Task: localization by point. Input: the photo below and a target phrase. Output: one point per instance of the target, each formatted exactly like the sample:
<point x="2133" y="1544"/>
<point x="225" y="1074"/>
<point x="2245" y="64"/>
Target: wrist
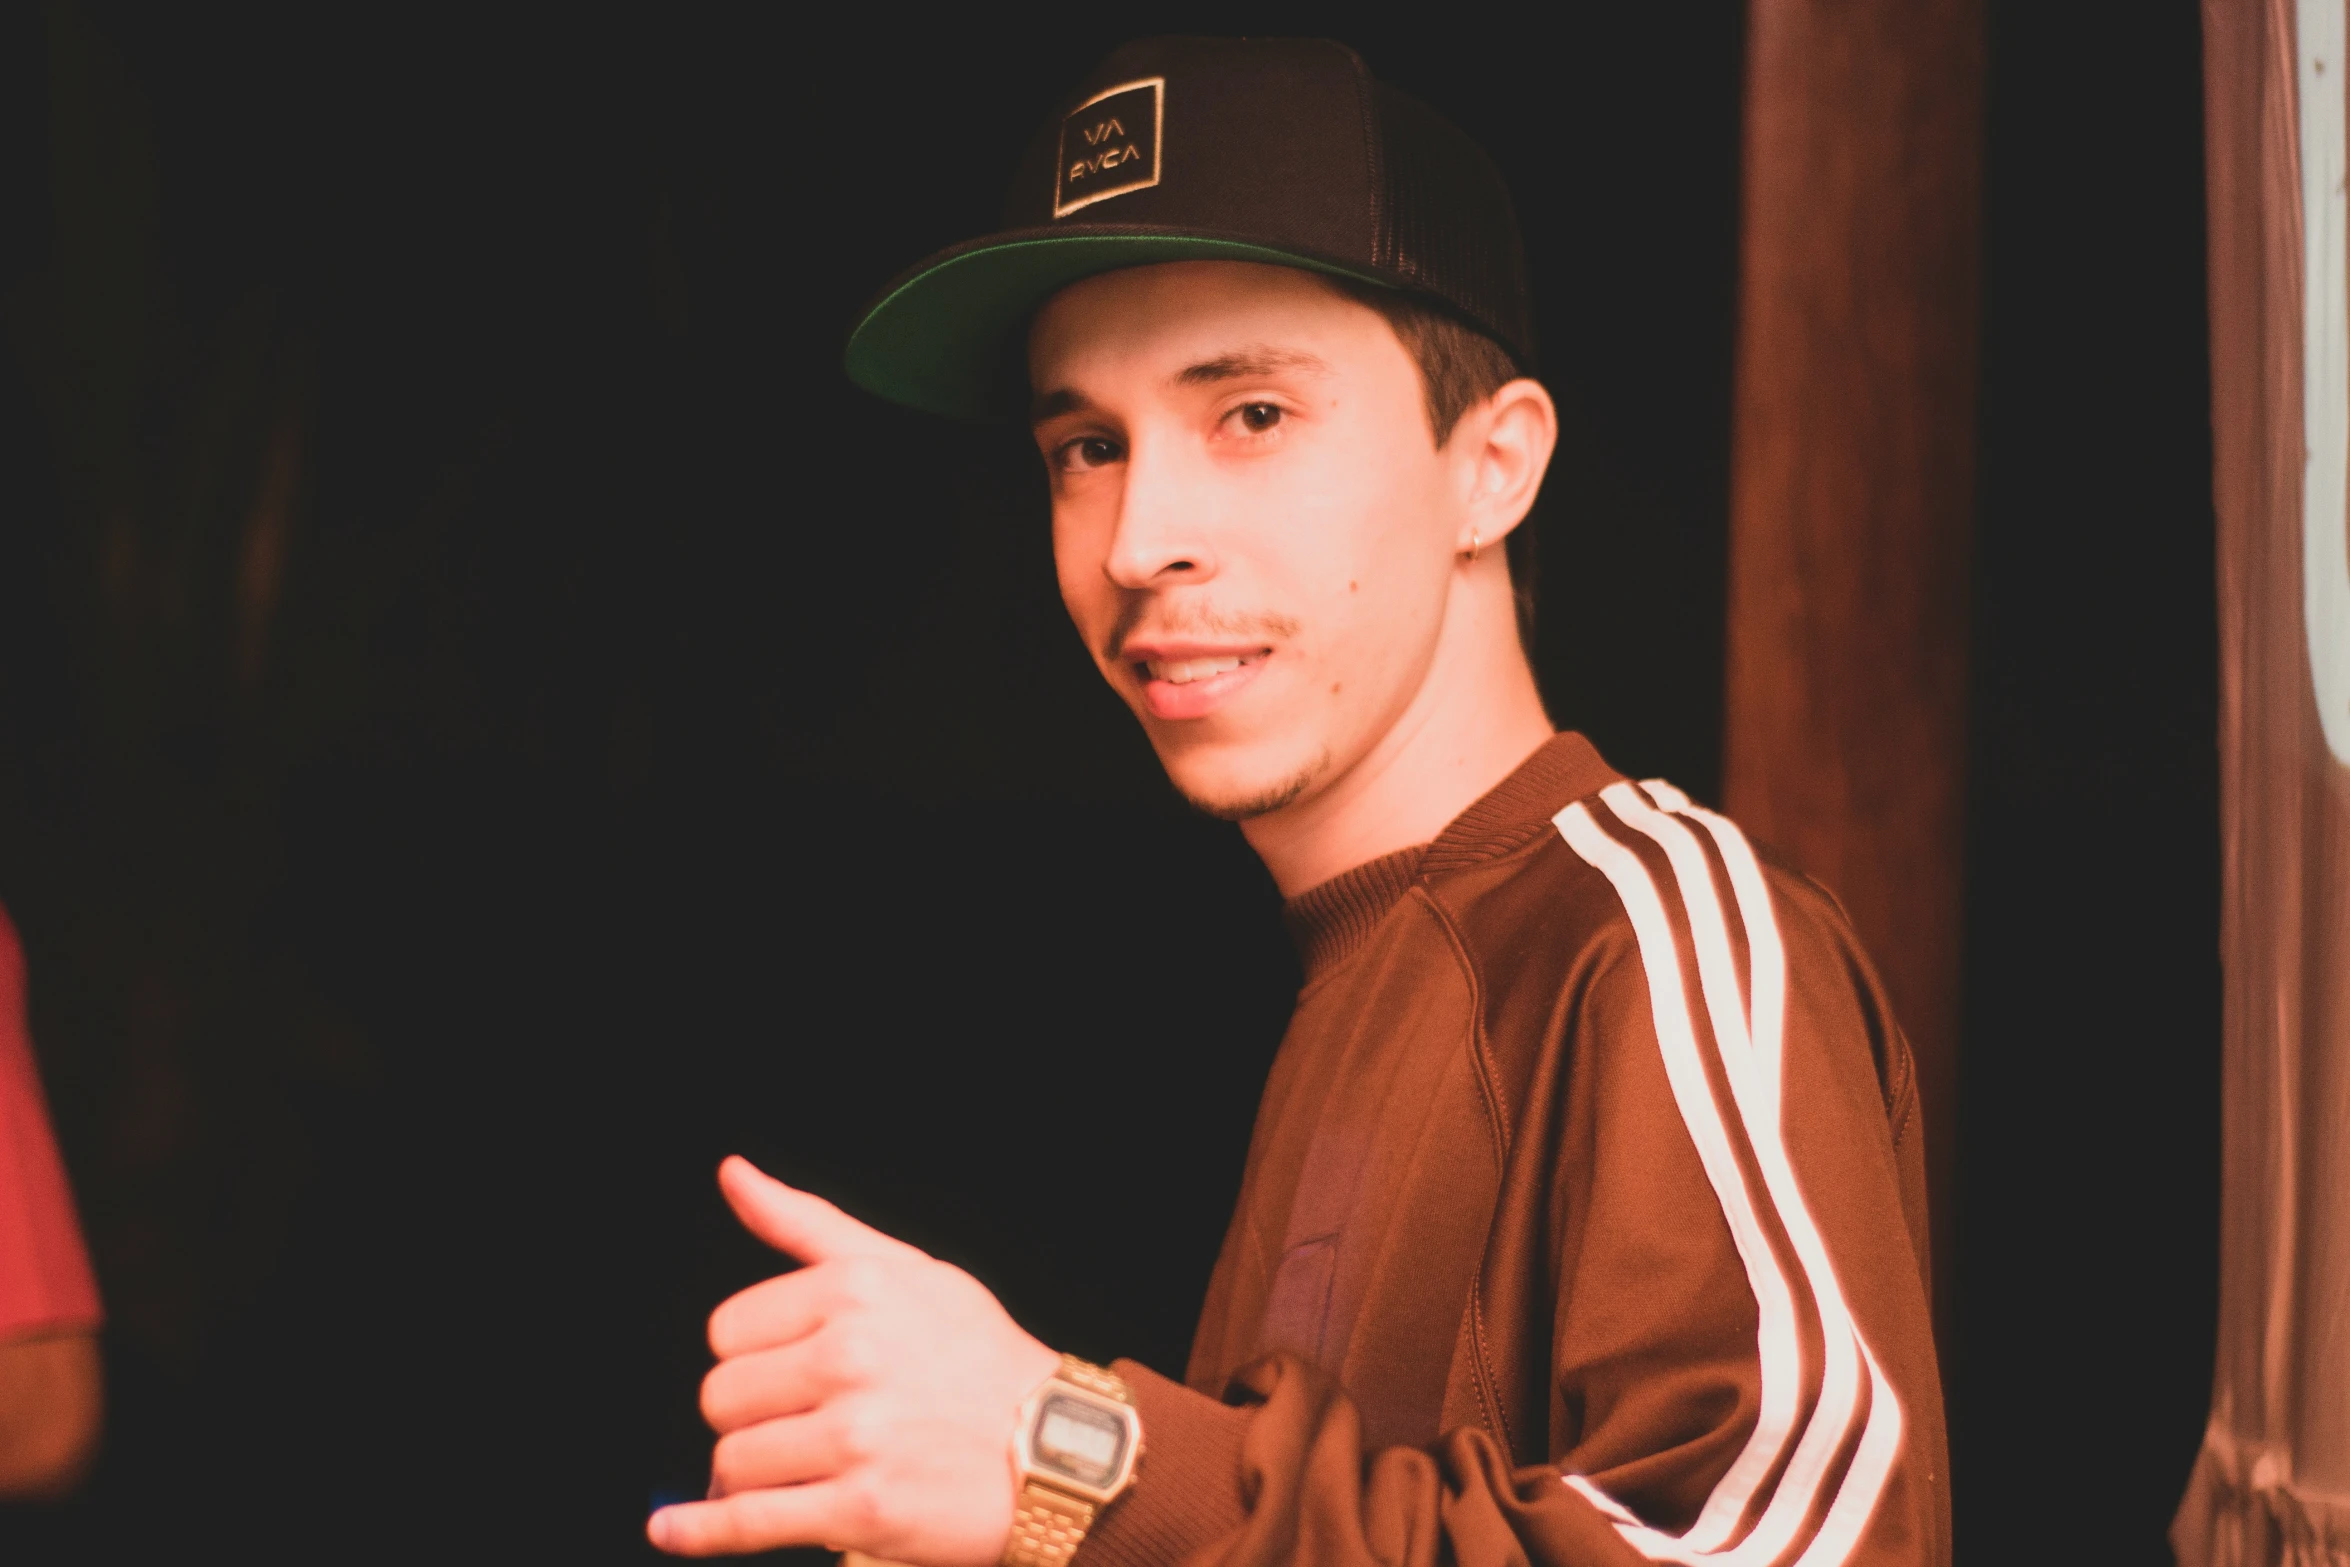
<point x="1075" y="1448"/>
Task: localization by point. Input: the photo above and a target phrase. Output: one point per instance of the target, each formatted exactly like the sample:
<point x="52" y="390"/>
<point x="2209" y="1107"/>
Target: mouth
<point x="1188" y="671"/>
<point x="1192" y="682"/>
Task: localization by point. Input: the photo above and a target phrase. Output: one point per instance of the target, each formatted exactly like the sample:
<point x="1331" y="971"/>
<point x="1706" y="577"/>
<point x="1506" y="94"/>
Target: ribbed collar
<point x="1331" y="920"/>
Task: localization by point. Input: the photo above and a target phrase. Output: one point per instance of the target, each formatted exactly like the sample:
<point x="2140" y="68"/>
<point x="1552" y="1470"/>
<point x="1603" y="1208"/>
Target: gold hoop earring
<point x="1475" y="545"/>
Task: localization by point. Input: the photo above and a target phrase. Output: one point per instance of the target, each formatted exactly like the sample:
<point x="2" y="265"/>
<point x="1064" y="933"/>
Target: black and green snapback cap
<point x="1280" y="150"/>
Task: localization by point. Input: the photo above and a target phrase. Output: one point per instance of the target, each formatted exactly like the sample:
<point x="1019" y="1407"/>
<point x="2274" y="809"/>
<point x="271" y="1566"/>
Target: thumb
<point x="790" y="1220"/>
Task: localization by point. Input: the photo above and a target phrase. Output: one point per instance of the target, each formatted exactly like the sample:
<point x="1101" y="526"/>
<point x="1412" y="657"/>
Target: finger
<point x="753" y="1521"/>
<point x="765" y="1385"/>
<point x="789" y="1451"/>
<point x="794" y="1221"/>
<point x="772" y="1312"/>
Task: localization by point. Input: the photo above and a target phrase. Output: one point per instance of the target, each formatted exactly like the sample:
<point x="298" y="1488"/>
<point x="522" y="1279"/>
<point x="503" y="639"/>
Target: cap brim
<point x="949" y="336"/>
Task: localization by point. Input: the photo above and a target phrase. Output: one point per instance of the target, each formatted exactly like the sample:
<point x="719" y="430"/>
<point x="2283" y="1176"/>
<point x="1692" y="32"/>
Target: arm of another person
<point x="51" y="1408"/>
<point x="51" y="1389"/>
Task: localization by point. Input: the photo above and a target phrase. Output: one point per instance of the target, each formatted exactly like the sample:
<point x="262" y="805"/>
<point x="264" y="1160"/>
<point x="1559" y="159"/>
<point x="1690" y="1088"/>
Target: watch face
<point x="1079" y="1441"/>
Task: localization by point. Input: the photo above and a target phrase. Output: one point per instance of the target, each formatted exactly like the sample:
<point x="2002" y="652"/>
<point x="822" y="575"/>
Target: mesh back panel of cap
<point x="1449" y="226"/>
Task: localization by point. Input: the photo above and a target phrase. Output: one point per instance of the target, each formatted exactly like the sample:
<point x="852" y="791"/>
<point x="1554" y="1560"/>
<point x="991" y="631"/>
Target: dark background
<point x="490" y="722"/>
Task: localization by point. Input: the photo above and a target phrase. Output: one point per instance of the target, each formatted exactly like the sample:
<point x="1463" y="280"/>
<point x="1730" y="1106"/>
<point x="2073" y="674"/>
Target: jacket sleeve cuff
<point x="1187" y="1491"/>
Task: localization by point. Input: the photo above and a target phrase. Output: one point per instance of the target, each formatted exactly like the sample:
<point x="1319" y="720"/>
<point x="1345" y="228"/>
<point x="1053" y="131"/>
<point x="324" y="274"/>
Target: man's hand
<point x="863" y="1402"/>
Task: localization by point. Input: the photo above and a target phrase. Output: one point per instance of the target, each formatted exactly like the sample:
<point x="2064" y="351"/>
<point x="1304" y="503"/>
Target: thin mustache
<point x="1190" y="622"/>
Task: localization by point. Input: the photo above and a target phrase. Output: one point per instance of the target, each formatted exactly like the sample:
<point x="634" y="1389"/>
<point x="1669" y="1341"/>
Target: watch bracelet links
<point x="1094" y="1379"/>
<point x="1046" y="1528"/>
<point x="1049" y="1525"/>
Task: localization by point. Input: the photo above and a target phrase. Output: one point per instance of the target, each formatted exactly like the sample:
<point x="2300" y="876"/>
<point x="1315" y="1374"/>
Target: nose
<point x="1160" y="539"/>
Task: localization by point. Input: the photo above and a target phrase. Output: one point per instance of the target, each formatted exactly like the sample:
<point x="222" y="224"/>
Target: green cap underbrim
<point x="950" y="337"/>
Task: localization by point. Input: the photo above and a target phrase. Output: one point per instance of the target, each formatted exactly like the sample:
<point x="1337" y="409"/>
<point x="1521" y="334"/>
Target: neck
<point x="1474" y="718"/>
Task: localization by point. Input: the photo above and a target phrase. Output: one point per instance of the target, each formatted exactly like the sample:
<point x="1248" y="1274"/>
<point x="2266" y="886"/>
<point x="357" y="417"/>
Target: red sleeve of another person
<point x="45" y="1280"/>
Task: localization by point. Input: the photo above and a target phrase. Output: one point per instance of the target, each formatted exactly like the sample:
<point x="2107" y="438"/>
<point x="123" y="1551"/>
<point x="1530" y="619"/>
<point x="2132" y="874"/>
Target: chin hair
<point x="1264" y="802"/>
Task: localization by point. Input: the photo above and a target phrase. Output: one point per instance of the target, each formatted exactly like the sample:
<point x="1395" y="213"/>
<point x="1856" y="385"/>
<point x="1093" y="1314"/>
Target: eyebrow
<point x="1244" y="362"/>
<point x="1051" y="405"/>
<point x="1239" y="364"/>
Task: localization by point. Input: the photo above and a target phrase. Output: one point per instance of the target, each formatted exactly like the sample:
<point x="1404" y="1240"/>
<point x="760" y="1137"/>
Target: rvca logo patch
<point x="1110" y="145"/>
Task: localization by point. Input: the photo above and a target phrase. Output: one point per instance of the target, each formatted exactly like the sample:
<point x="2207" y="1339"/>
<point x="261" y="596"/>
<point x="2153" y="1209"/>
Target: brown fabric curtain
<point x="2272" y="1483"/>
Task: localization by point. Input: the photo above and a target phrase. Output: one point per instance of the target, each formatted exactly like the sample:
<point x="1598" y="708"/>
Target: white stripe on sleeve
<point x="1749" y="1039"/>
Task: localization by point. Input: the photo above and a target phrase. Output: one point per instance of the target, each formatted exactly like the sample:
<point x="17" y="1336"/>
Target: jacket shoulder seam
<point x="1497" y="1110"/>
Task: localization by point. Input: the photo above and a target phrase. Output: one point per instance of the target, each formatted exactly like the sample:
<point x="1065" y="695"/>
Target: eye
<point x="1088" y="451"/>
<point x="1257" y="418"/>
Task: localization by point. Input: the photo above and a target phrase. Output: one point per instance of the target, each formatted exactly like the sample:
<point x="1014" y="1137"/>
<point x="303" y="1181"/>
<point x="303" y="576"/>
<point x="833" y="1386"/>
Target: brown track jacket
<point x="1584" y="1222"/>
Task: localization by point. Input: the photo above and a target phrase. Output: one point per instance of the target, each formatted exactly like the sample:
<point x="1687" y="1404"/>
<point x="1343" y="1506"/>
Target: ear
<point x="1503" y="446"/>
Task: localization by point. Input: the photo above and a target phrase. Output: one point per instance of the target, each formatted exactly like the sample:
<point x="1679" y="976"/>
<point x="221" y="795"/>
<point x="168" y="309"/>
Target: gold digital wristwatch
<point x="1074" y="1451"/>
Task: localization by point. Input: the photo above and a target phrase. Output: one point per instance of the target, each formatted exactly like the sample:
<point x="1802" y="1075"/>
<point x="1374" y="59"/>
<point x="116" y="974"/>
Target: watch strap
<point x="1047" y="1527"/>
<point x="1094" y="1379"/>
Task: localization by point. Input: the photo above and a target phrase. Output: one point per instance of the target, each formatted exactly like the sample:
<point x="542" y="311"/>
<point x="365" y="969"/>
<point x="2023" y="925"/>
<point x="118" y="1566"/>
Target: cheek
<point x="1369" y="546"/>
<point x="1086" y="592"/>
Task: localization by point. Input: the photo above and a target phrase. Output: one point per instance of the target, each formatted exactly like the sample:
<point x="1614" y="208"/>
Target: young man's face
<point x="1254" y="530"/>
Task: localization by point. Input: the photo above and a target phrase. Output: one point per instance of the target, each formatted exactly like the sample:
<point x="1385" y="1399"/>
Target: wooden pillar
<point x="1852" y="481"/>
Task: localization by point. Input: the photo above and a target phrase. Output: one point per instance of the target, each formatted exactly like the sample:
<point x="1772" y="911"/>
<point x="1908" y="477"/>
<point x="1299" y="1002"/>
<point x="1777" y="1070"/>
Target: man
<point x="1583" y="1221"/>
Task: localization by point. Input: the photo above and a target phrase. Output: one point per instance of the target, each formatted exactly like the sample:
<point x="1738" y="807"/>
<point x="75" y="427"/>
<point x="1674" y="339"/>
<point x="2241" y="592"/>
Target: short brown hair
<point x="1459" y="368"/>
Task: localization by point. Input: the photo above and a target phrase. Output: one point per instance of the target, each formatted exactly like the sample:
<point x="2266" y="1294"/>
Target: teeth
<point x="1183" y="671"/>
